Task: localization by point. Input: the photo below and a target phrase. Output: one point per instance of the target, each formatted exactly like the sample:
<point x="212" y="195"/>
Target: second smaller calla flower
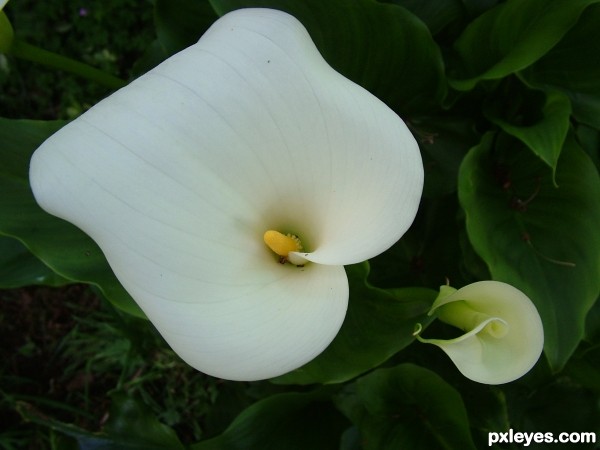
<point x="503" y="338"/>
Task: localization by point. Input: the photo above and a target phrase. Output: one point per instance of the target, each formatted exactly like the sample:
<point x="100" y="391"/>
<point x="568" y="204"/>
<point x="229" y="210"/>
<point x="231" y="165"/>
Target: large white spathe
<point x="504" y="335"/>
<point x="178" y="176"/>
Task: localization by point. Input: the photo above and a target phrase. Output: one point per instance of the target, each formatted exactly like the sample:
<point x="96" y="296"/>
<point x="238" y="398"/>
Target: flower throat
<point x="284" y="245"/>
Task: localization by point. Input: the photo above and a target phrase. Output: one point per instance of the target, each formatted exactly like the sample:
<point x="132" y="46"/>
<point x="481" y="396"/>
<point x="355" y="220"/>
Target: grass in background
<point x="110" y="35"/>
<point x="65" y="350"/>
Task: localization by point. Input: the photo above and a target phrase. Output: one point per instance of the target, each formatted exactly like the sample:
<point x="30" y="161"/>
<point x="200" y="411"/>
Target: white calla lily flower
<point x="227" y="188"/>
<point x="504" y="334"/>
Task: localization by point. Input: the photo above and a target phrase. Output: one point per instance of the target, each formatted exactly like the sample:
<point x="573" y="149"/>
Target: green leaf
<point x="444" y="141"/>
<point x="407" y="406"/>
<point x="131" y="426"/>
<point x="486" y="406"/>
<point x="290" y="421"/>
<point x="512" y="36"/>
<point x="180" y="23"/>
<point x="540" y="238"/>
<point x="18" y="267"/>
<point x="573" y="66"/>
<point x="436" y="15"/>
<point x="559" y="406"/>
<point x="429" y="253"/>
<point x="59" y="245"/>
<point x="584" y="367"/>
<point x="477" y="7"/>
<point x="592" y="324"/>
<point x="589" y="139"/>
<point x="378" y="324"/>
<point x="6" y="33"/>
<point x="384" y="48"/>
<point x="546" y="134"/>
<point x="154" y="54"/>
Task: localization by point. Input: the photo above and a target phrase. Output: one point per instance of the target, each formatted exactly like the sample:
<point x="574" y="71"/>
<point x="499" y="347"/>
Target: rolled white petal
<point x="479" y="355"/>
<point x="178" y="175"/>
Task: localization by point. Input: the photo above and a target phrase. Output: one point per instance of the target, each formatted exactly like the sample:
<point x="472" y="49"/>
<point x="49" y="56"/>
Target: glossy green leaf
<point x="180" y="23"/>
<point x="61" y="246"/>
<point x="378" y="324"/>
<point x="407" y="406"/>
<point x="384" y="48"/>
<point x="290" y="421"/>
<point x="546" y="135"/>
<point x="573" y="66"/>
<point x="540" y="238"/>
<point x="18" y="267"/>
<point x="511" y="37"/>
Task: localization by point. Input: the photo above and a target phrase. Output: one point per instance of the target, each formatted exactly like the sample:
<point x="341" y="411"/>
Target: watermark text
<point x="517" y="437"/>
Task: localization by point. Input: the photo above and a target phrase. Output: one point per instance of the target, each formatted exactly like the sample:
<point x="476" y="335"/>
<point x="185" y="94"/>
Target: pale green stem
<point x="32" y="53"/>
